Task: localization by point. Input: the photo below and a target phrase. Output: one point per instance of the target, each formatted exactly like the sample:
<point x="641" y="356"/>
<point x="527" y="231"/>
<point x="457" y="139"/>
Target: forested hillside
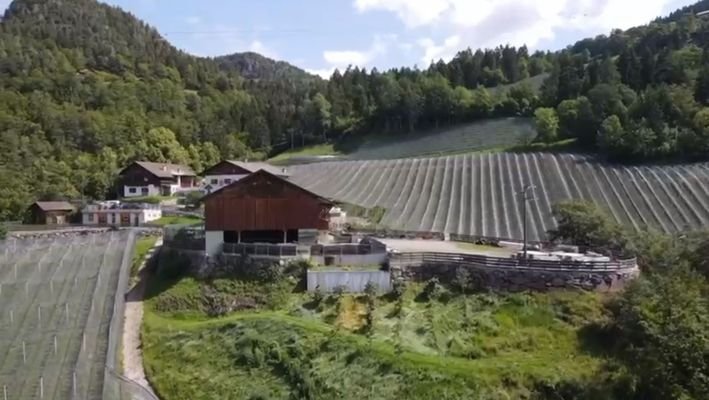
<point x="86" y="88"/>
<point x="252" y="65"/>
<point x="638" y="95"/>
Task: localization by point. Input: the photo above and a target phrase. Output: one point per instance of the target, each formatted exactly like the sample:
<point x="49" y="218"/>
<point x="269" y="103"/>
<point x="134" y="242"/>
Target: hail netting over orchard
<point x="479" y="194"/>
<point x="58" y="297"/>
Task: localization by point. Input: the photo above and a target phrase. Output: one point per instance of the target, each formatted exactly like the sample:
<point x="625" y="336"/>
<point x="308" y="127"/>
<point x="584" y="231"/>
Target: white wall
<point x="213" y="242"/>
<point x="152" y="191"/>
<point x="220" y="181"/>
<point x="353" y="281"/>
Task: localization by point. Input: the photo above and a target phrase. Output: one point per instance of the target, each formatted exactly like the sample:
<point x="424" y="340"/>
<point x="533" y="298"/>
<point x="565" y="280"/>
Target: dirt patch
<point x="351" y="314"/>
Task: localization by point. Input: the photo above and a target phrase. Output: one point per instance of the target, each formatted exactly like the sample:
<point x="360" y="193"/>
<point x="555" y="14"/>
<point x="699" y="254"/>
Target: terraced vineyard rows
<point x="57" y="299"/>
<point x="479" y="194"/>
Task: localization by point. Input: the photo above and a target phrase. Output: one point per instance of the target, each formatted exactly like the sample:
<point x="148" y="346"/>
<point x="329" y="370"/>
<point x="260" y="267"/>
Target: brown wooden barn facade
<point x="50" y="213"/>
<point x="263" y="208"/>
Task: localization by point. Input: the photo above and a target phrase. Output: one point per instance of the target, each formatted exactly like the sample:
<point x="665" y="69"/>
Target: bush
<point x="462" y="279"/>
<point x="398" y="288"/>
<point x="433" y="289"/>
<point x="370" y="290"/>
<point x="3" y="232"/>
<point x="317" y="295"/>
<point x="339" y="290"/>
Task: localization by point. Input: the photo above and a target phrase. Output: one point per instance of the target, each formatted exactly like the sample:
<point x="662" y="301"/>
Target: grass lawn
<point x="315" y="150"/>
<point x="278" y="342"/>
<point x="147" y="199"/>
<point x="177" y="220"/>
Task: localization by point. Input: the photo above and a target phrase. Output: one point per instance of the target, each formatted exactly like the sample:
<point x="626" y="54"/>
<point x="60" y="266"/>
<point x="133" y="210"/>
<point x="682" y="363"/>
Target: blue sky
<point x="320" y="35"/>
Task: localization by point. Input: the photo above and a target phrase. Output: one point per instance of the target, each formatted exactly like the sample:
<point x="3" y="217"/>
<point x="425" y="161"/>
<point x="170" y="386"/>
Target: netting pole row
<point x="41" y="387"/>
<point x="24" y="353"/>
<point x="4" y="392"/>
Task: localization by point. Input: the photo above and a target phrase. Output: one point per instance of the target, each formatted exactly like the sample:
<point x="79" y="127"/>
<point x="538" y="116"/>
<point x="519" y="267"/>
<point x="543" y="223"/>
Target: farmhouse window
<point x="215" y="181"/>
<point x="131" y="190"/>
<point x="227" y="181"/>
<point x="144" y="190"/>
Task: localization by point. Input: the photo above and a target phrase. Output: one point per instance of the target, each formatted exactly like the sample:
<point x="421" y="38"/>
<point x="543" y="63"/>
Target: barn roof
<point x="166" y="170"/>
<point x="54" y="206"/>
<point x="262" y="172"/>
<point x="251" y="167"/>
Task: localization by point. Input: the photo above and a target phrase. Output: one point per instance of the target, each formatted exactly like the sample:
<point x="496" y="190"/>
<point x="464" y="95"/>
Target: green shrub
<point x="434" y="290"/>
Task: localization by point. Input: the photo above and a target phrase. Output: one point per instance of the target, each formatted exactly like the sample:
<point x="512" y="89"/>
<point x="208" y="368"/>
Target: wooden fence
<point x="472" y="260"/>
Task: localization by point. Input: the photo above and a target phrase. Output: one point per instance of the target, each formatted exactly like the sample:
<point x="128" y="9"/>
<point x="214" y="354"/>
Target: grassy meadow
<point x="245" y="339"/>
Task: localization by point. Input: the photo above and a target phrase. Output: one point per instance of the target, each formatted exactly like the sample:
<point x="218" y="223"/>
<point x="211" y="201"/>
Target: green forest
<point x="86" y="88"/>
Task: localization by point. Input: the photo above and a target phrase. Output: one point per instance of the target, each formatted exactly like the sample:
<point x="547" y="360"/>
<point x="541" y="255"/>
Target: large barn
<point x="263" y="208"/>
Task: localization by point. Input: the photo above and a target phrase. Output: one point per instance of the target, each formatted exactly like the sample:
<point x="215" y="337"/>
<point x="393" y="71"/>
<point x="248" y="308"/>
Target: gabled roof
<point x="54" y="206"/>
<point x="251" y="167"/>
<point x="166" y="170"/>
<point x="246" y="180"/>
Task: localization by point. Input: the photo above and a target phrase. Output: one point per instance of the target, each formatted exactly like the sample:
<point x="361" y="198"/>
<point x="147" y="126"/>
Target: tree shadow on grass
<point x="597" y="339"/>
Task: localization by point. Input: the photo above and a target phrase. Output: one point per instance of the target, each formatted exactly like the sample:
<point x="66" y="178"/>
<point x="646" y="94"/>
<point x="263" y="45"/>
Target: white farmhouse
<point x="227" y="172"/>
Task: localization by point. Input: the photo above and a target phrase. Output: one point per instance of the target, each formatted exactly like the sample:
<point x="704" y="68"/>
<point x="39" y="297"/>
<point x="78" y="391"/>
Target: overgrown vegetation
<point x="438" y="339"/>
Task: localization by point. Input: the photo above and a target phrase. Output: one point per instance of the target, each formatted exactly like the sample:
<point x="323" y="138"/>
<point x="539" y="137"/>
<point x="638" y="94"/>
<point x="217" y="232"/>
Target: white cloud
<point x="434" y="52"/>
<point x="361" y="58"/>
<point x="345" y="57"/>
<point x="324" y="73"/>
<point x="193" y="20"/>
<point x="258" y="47"/>
<point x="488" y="23"/>
<point x="413" y="12"/>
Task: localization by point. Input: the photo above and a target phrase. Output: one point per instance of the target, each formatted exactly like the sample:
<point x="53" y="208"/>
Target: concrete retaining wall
<point x="353" y="281"/>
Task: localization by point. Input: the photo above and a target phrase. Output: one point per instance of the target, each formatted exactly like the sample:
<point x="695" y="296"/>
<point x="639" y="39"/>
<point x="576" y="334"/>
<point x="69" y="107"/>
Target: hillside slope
<point x="475" y="136"/>
<point x="478" y="194"/>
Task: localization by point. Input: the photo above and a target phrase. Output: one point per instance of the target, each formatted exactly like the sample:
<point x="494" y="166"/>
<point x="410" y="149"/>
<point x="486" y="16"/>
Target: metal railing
<point x="473" y="260"/>
<point x="347" y="249"/>
<point x="261" y="249"/>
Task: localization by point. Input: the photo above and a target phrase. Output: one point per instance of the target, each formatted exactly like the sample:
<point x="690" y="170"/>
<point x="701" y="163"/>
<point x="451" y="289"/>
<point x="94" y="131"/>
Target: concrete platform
<point x="439" y="246"/>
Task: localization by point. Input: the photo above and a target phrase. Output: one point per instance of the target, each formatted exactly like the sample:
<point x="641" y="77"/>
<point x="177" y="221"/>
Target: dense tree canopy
<point x="83" y="83"/>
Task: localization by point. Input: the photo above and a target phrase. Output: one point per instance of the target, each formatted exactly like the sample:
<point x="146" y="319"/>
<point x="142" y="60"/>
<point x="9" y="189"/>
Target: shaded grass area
<point x="282" y="343"/>
<point x="142" y="246"/>
<point x="325" y="149"/>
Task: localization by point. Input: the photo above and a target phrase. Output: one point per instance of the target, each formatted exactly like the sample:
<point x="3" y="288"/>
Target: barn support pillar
<point x="238" y="237"/>
<point x="285" y="236"/>
<point x="213" y="242"/>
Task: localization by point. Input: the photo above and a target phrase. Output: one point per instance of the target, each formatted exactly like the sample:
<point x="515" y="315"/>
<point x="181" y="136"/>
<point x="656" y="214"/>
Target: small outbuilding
<point x="50" y="213"/>
<point x="227" y="172"/>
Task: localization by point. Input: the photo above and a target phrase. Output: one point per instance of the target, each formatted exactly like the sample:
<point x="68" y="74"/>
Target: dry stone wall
<point x="515" y="280"/>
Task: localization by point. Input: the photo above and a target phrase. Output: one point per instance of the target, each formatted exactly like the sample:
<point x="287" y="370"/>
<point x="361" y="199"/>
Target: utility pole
<point x="525" y="199"/>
